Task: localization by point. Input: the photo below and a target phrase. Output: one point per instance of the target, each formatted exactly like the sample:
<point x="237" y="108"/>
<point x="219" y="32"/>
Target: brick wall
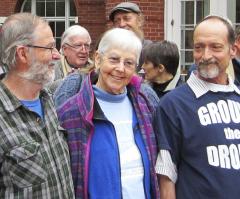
<point x="93" y="14"/>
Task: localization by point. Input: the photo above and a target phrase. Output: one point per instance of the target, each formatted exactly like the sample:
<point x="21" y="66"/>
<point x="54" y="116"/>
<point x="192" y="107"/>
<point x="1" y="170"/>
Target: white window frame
<point x="67" y="18"/>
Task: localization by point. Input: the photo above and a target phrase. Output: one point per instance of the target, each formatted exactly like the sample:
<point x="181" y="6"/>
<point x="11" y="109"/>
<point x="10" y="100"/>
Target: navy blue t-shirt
<point x="203" y="137"/>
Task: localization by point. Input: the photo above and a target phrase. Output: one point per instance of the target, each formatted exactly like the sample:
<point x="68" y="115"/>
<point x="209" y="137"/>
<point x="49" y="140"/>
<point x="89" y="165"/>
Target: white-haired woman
<point x="111" y="141"/>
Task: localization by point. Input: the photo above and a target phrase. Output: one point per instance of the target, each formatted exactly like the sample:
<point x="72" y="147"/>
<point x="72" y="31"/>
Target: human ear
<point x="161" y="68"/>
<point x="21" y="54"/>
<point x="233" y="51"/>
<point x="97" y="59"/>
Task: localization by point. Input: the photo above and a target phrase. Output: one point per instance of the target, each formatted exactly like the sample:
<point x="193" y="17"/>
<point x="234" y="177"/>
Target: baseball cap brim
<point x="125" y="7"/>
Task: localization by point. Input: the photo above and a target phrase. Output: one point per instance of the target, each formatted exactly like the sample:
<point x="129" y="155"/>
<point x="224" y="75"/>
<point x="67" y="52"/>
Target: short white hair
<point x="75" y="30"/>
<point x="120" y="38"/>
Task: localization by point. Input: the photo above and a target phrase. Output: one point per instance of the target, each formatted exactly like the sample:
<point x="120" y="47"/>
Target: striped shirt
<point x="34" y="157"/>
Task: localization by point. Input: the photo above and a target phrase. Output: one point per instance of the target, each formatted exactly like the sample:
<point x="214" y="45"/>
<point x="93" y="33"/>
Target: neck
<point x="163" y="78"/>
<point x="23" y="89"/>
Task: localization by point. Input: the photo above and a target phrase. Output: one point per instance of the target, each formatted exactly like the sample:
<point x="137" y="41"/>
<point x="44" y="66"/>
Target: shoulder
<point x="146" y="42"/>
<point x="69" y="87"/>
<point x="150" y="94"/>
<point x="181" y="94"/>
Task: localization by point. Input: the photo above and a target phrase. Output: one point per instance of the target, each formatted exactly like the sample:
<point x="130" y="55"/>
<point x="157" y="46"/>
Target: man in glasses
<point x="75" y="47"/>
<point x="34" y="158"/>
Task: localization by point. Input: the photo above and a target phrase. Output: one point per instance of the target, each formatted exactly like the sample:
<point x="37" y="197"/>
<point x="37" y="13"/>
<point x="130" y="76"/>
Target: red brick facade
<point x="93" y="14"/>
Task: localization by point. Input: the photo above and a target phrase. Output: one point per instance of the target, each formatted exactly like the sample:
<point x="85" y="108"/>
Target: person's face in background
<point x="76" y="50"/>
<point x="151" y="73"/>
<point x="116" y="68"/>
<point x="130" y="21"/>
<point x="212" y="51"/>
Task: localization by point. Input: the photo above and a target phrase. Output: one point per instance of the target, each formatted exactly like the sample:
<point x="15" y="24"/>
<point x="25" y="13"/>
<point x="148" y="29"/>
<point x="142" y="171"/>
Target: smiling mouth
<point x="117" y="78"/>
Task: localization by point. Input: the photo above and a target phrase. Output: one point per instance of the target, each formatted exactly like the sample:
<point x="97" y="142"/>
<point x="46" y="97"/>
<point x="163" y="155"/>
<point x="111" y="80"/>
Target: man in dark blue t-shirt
<point x="198" y="123"/>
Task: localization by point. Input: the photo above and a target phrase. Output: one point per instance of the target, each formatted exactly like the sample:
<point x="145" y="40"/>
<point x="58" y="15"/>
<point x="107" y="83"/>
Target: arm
<point x="167" y="188"/>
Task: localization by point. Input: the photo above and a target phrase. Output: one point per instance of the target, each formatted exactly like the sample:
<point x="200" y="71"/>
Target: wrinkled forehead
<point x="211" y="29"/>
<point x="122" y="52"/>
<point x="84" y="38"/>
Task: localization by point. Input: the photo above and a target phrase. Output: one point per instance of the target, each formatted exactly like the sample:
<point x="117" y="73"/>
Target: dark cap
<point x="124" y="6"/>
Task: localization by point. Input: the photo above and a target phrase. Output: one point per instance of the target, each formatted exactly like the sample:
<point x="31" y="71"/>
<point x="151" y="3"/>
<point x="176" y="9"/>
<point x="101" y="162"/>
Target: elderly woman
<point x="111" y="141"/>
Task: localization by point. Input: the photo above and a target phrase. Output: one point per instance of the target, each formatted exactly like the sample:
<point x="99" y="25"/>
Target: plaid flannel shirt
<point x="34" y="157"/>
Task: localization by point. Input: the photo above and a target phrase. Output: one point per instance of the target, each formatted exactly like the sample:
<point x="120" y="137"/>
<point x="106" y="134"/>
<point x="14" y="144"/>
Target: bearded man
<point x="34" y="157"/>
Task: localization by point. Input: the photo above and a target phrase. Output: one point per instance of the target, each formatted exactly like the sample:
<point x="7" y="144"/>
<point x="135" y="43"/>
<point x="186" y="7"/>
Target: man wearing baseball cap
<point x="128" y="15"/>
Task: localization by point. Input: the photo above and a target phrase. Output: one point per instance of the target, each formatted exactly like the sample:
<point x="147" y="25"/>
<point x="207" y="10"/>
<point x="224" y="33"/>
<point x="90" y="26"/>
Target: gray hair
<point x="18" y="29"/>
<point x="120" y="38"/>
<point x="75" y="30"/>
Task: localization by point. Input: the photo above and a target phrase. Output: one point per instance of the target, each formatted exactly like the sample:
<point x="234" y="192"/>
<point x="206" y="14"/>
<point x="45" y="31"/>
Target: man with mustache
<point x="34" y="157"/>
<point x="128" y="15"/>
<point x="198" y="123"/>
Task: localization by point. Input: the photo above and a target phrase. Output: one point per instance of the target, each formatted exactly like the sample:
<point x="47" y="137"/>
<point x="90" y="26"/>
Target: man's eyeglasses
<point x="42" y="47"/>
<point x="79" y="46"/>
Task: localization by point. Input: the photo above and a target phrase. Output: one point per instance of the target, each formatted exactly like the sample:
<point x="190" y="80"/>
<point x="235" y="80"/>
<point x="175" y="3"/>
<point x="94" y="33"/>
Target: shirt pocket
<point x="25" y="165"/>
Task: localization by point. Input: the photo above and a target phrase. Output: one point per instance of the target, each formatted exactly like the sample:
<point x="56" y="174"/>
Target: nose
<point x="121" y="66"/>
<point x="122" y="23"/>
<point x="84" y="49"/>
<point x="207" y="54"/>
<point x="55" y="54"/>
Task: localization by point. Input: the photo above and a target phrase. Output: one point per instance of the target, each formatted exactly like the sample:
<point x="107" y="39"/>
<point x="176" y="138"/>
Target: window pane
<point x="52" y="25"/>
<point x="189" y="39"/>
<point x="186" y="57"/>
<point x="60" y="9"/>
<point x="72" y="8"/>
<point x="50" y="9"/>
<point x="40" y="8"/>
<point x="60" y="27"/>
<point x="187" y="12"/>
<point x="200" y="11"/>
<point x="189" y="56"/>
<point x="72" y="23"/>
<point x="58" y="42"/>
<point x="27" y="6"/>
<point x="237" y="11"/>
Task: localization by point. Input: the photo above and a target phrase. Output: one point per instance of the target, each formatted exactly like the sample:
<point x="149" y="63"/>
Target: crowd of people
<point x="75" y="126"/>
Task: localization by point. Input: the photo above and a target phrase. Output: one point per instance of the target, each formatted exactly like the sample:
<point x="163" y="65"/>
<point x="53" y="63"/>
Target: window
<point x="233" y="11"/>
<point x="60" y="13"/>
<point x="192" y="11"/>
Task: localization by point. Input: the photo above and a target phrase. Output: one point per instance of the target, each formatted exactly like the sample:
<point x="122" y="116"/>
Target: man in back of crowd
<point x="128" y="15"/>
<point x="34" y="157"/>
<point x="75" y="47"/>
